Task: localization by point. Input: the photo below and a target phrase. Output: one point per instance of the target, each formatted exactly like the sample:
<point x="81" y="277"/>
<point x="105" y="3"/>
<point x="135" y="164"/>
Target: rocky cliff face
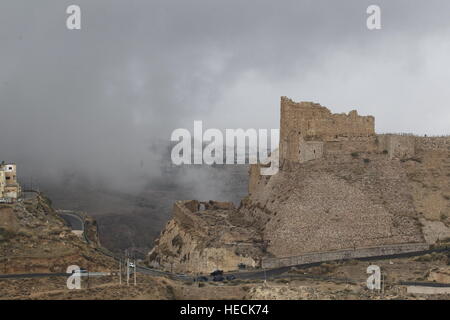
<point x="199" y="241"/>
<point x="332" y="204"/>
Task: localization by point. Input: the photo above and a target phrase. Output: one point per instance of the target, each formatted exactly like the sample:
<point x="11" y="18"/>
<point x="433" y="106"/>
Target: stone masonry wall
<point x="344" y="255"/>
<point x="312" y="122"/>
<point x="406" y="146"/>
<point x="397" y="146"/>
<point x="433" y="143"/>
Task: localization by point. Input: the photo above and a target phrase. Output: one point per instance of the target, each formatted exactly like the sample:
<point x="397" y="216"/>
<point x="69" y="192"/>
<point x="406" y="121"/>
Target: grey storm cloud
<point x="95" y="100"/>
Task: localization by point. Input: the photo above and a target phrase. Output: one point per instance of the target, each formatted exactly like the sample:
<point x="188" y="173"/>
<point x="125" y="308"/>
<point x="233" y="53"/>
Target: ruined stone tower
<point x="307" y="130"/>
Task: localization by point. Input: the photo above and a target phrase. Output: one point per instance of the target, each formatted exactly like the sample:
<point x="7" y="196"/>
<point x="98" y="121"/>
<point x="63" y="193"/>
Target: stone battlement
<point x="305" y="126"/>
<point x="309" y="131"/>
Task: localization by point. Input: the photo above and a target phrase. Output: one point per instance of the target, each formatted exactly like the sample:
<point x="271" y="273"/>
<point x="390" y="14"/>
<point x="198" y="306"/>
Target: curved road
<point x="73" y="221"/>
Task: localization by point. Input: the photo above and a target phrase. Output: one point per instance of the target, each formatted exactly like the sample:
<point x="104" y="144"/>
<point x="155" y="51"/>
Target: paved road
<point x="72" y="220"/>
<point x="277" y="272"/>
<point x="31" y="275"/>
<point x="55" y="274"/>
<point x="257" y="274"/>
<point x="182" y="277"/>
<point x="159" y="273"/>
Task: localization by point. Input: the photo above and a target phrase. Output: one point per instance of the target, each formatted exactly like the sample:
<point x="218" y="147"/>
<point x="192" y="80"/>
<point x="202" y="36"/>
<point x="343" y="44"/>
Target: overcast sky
<point x="94" y="100"/>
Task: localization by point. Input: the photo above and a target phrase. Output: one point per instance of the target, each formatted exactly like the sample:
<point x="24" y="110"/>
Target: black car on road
<point x="218" y="278"/>
<point x="217" y="273"/>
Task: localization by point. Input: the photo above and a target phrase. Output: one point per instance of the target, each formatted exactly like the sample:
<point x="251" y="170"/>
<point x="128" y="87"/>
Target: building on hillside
<point x="2" y="183"/>
<point x="10" y="189"/>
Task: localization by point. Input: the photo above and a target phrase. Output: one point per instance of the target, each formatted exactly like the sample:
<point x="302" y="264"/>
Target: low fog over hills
<point x="133" y="218"/>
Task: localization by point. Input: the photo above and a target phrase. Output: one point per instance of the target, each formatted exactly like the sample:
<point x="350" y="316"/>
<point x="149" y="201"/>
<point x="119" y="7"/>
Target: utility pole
<point x="88" y="276"/>
<point x="135" y="272"/>
<point x="120" y="271"/>
<point x="128" y="271"/>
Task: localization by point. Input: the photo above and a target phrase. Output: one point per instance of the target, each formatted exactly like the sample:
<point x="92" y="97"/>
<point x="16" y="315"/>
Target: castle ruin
<point x="341" y="191"/>
<point x="309" y="131"/>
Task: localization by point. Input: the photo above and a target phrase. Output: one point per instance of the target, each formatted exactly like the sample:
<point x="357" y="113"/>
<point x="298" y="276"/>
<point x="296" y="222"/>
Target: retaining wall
<point x="347" y="254"/>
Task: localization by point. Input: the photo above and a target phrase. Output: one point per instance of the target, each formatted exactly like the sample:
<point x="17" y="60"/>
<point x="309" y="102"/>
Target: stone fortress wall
<point x="309" y="131"/>
<point x="340" y="255"/>
<point x="433" y="143"/>
<point x="405" y="146"/>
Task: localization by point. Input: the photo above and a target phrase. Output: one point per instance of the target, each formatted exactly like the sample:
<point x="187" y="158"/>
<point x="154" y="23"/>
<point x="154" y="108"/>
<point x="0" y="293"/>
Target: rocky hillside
<point x="34" y="239"/>
<point x="205" y="236"/>
<point x="330" y="204"/>
<point x="342" y="200"/>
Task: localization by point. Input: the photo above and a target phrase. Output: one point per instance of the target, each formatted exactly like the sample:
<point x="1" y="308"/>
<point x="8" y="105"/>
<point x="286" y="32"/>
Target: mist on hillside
<point x="87" y="115"/>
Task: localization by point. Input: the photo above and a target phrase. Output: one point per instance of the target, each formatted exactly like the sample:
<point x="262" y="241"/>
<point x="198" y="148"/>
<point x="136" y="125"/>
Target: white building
<point x="9" y="187"/>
